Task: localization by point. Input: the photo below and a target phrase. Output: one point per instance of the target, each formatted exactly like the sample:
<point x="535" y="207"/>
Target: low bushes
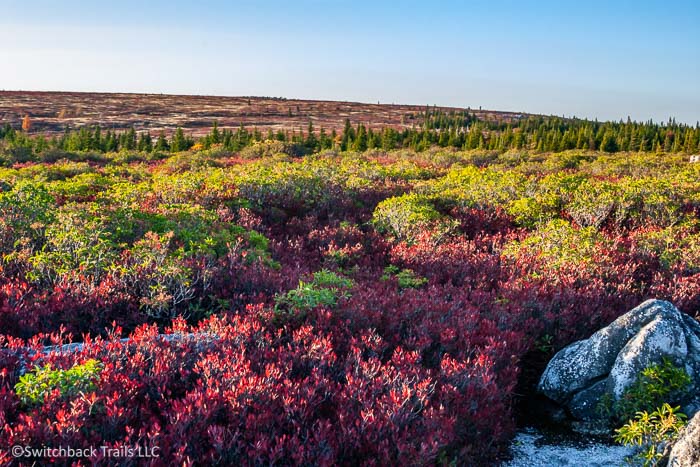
<point x="406" y="216"/>
<point x="367" y="308"/>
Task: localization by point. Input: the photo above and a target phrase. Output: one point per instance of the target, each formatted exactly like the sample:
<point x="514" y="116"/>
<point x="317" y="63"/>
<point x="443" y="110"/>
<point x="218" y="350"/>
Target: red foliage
<point x="388" y="377"/>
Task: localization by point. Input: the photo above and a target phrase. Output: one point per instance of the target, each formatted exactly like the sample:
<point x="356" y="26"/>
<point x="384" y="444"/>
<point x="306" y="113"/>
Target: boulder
<point x="686" y="450"/>
<point x="607" y="363"/>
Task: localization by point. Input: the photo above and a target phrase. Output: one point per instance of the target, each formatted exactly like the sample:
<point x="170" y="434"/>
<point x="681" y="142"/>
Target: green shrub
<point x="62" y="170"/>
<point x="559" y="244"/>
<point x="480" y="188"/>
<point x="328" y="279"/>
<point x="404" y="216"/>
<point x="325" y="289"/>
<point x="650" y="200"/>
<point x="533" y="210"/>
<point x="260" y="149"/>
<point x="545" y="199"/>
<point x="186" y="162"/>
<point x="79" y="187"/>
<point x="652" y="432"/>
<point x="406" y="278"/>
<point x="293" y="188"/>
<point x="658" y="384"/>
<point x="566" y="160"/>
<point x="25" y="212"/>
<point x="155" y="272"/>
<point x="675" y="245"/>
<point x="33" y="386"/>
<point x="593" y="203"/>
<point x="77" y="241"/>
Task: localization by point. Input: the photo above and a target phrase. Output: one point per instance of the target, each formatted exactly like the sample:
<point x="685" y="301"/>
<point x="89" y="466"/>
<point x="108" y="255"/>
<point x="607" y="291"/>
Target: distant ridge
<point x="52" y="111"/>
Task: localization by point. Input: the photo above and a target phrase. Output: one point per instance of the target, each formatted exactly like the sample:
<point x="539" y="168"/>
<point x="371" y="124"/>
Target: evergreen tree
<point x="162" y="144"/>
<point x="145" y="143"/>
<point x="324" y="140"/>
<point x="178" y="142"/>
<point x="311" y="142"/>
<point x="360" y="143"/>
<point x="348" y="136"/>
<point x="127" y="140"/>
<point x="608" y="144"/>
<point x="668" y="141"/>
<point x="215" y="136"/>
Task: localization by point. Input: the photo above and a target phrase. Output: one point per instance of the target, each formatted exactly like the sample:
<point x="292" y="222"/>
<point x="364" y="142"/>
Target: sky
<point x="595" y="59"/>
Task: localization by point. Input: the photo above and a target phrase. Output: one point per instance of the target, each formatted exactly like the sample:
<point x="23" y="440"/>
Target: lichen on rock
<point x="603" y="366"/>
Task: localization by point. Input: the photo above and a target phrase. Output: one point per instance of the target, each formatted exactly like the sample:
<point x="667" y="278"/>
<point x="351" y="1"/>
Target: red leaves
<point x="388" y="376"/>
<point x="259" y="396"/>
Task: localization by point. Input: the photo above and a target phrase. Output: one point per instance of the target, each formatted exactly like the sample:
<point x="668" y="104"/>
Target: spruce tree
<point x="311" y="142"/>
<point x="215" y="136"/>
<point x="162" y="144"/>
<point x="609" y="144"/>
<point x="360" y="143"/>
<point x="178" y="142"/>
<point x="145" y="143"/>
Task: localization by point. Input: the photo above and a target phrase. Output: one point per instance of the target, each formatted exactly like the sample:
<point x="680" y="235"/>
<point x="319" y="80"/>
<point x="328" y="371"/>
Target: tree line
<point x="454" y="129"/>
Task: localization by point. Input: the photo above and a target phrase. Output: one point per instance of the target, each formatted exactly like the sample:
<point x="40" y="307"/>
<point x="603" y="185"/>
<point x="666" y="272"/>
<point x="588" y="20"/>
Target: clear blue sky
<point x="596" y="59"/>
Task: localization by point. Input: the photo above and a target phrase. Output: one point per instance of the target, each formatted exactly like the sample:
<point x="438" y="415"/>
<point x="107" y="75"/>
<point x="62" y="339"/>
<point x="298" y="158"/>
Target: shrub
<point x="25" y="212"/>
<point x="658" y="384"/>
<point x="592" y="204"/>
<point x="558" y="244"/>
<point x="158" y="275"/>
<point x="651" y="201"/>
<point x="33" y="386"/>
<point x="325" y="289"/>
<point x="481" y="188"/>
<point x="405" y="216"/>
<point x="280" y="187"/>
<point x="260" y="149"/>
<point x="652" y="432"/>
<point x="406" y="278"/>
<point x="675" y="246"/>
<point x="78" y="242"/>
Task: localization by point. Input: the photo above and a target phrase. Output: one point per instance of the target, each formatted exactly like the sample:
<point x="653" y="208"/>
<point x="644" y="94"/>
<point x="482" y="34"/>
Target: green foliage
<point x="77" y="241"/>
<point x="325" y="289"/>
<point x="481" y="188"/>
<point x="545" y="199"/>
<point x="658" y="384"/>
<point x="652" y="432"/>
<point x="558" y="244"/>
<point x="328" y="279"/>
<point x="179" y="141"/>
<point x="592" y="203"/>
<point x="283" y="185"/>
<point x="25" y="212"/>
<point x="260" y="149"/>
<point x="157" y="273"/>
<point x="674" y="246"/>
<point x="406" y="278"/>
<point x="79" y="187"/>
<point x="404" y="216"/>
<point x="33" y="387"/>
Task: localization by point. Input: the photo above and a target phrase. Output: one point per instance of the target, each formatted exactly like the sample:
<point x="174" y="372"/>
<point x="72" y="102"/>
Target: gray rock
<point x="663" y="337"/>
<point x="686" y="450"/>
<point x="692" y="407"/>
<point x="610" y="360"/>
<point x="584" y="404"/>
